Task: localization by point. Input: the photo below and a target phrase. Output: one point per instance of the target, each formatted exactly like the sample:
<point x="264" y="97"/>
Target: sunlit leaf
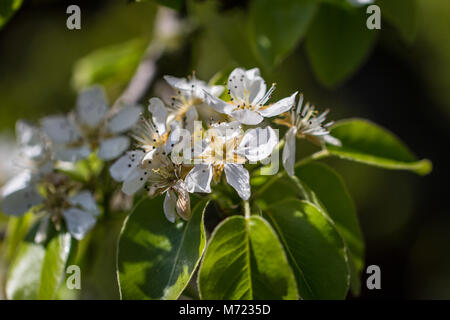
<point x="16" y="232"/>
<point x="315" y="249"/>
<point x="53" y="267"/>
<point x="366" y="142"/>
<point x="7" y="10"/>
<point x="113" y="64"/>
<point x="38" y="268"/>
<point x="245" y="260"/>
<point x="157" y="258"/>
<point x="333" y="196"/>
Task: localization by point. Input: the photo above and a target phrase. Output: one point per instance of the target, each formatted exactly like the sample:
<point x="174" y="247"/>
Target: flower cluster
<point x="204" y="135"/>
<point x="92" y="126"/>
<point x="199" y="134"/>
<point x="41" y="186"/>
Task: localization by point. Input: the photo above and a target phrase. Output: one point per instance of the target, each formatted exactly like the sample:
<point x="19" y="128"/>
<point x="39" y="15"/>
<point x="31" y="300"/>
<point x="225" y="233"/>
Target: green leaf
<point x="337" y="43"/>
<point x="314" y="248"/>
<point x="7" y="10"/>
<point x="279" y="189"/>
<point x="83" y="170"/>
<point x="53" y="267"/>
<point x="16" y="232"/>
<point x="110" y="65"/>
<point x="231" y="28"/>
<point x="333" y="196"/>
<point x="25" y="271"/>
<point x="38" y="268"/>
<point x="157" y="258"/>
<point x="277" y="29"/>
<point x="366" y="142"/>
<point x="245" y="260"/>
<point x="402" y="14"/>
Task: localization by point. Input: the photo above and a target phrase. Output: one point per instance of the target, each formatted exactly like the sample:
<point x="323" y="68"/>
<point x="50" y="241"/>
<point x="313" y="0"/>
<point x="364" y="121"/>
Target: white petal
<point x="191" y="116"/>
<point x="111" y="148"/>
<point x="19" y="194"/>
<point x="35" y="152"/>
<point x="85" y="200"/>
<point x="159" y="114"/>
<point x="179" y="145"/>
<point x="170" y="203"/>
<point x="149" y="155"/>
<point x="123" y="166"/>
<point x="257" y="144"/>
<point x="60" y="129"/>
<point x="256" y="88"/>
<point x="218" y="104"/>
<point x="31" y="141"/>
<point x="289" y="151"/>
<point x="135" y="181"/>
<point x="246" y="85"/>
<point x="125" y="119"/>
<point x="246" y="116"/>
<point x="177" y="83"/>
<point x="332" y="140"/>
<point x="357" y="3"/>
<point x="279" y="107"/>
<point x="236" y="85"/>
<point x="253" y="73"/>
<point x="239" y="178"/>
<point x="78" y="222"/>
<point x="216" y="90"/>
<point x="174" y="138"/>
<point x="27" y="134"/>
<point x="199" y="179"/>
<point x="228" y="130"/>
<point x="92" y="106"/>
<point x="193" y="88"/>
<point x="65" y="153"/>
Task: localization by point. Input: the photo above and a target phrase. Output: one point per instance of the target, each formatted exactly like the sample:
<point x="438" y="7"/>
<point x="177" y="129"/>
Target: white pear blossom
<point x="189" y="102"/>
<point x="40" y="188"/>
<point x="227" y="149"/>
<point x="151" y="136"/>
<point x="150" y="167"/>
<point x="93" y="126"/>
<point x="157" y="176"/>
<point x="20" y="193"/>
<point x="249" y="98"/>
<point x="304" y="122"/>
<point x="82" y="214"/>
<point x="9" y="151"/>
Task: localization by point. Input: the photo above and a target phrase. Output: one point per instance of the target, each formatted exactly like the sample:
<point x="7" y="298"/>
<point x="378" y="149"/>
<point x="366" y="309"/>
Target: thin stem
<point x="315" y="156"/>
<point x="278" y="147"/>
<point x="247" y="212"/>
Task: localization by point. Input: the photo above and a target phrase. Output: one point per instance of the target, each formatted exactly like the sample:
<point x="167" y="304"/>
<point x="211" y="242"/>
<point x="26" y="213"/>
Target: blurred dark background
<point x="404" y="87"/>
